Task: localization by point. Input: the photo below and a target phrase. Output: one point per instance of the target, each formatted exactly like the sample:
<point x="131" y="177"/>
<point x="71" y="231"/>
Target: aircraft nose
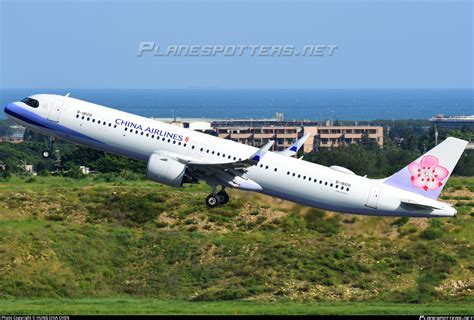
<point x="9" y="108"/>
<point x="13" y="109"/>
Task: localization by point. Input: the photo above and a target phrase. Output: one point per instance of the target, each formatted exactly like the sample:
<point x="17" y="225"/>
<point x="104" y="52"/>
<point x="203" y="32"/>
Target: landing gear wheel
<point x="212" y="201"/>
<point x="223" y="197"/>
<point x="45" y="154"/>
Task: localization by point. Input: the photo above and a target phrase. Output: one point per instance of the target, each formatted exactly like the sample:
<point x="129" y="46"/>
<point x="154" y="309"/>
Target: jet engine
<point x="166" y="171"/>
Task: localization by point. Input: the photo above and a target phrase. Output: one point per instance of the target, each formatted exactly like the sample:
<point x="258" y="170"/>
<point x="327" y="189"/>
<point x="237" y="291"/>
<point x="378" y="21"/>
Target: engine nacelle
<point x="165" y="170"/>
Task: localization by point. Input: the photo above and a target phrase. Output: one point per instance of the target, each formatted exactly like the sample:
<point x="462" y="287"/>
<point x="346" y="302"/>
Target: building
<point x="29" y="168"/>
<point x="256" y="136"/>
<point x="335" y="136"/>
<point x="256" y="132"/>
<point x="84" y="170"/>
<point x="284" y="136"/>
<point x="15" y="134"/>
<point x="453" y="122"/>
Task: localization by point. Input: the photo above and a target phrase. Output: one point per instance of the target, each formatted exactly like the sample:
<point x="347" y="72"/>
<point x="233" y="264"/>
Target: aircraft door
<point x="373" y="198"/>
<point x="55" y="110"/>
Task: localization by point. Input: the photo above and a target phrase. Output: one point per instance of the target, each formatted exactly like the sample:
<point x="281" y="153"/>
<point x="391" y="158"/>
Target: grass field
<point x="174" y="307"/>
<point x="69" y="246"/>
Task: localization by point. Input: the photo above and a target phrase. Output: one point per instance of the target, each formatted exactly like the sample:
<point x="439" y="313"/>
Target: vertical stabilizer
<point x="428" y="174"/>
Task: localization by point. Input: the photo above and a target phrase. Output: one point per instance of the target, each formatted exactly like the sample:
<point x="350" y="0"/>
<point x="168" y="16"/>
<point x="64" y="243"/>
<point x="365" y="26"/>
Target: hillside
<point x="107" y="237"/>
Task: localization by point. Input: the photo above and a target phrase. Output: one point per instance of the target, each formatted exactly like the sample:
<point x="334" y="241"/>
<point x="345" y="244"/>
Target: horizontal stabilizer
<point x="414" y="205"/>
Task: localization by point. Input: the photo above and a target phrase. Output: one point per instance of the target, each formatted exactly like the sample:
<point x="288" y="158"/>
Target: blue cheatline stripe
<point x="293" y="149"/>
<point x="32" y="118"/>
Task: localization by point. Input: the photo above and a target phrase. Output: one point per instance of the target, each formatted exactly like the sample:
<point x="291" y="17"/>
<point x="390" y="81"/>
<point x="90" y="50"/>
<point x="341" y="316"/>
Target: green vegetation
<point x="128" y="305"/>
<point x="82" y="238"/>
<point x="113" y="243"/>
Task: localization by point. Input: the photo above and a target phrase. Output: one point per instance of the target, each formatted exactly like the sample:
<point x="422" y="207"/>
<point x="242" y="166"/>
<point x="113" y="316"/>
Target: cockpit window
<point x="31" y="102"/>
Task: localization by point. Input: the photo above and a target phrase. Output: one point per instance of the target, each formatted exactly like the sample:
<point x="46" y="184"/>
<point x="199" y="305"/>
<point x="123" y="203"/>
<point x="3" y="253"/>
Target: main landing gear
<point x="215" y="199"/>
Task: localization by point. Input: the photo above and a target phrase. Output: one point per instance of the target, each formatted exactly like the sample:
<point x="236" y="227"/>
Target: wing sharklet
<point x="295" y="147"/>
<point x="257" y="156"/>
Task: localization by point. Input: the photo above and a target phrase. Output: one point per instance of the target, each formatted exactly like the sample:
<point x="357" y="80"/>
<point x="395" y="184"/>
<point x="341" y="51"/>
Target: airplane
<point x="177" y="156"/>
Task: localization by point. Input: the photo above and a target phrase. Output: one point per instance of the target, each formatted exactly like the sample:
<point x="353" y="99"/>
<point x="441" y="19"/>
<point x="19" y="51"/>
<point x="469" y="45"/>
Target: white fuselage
<point x="285" y="177"/>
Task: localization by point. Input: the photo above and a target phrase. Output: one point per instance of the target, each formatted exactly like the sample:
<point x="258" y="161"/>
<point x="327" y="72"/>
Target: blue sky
<point x="93" y="44"/>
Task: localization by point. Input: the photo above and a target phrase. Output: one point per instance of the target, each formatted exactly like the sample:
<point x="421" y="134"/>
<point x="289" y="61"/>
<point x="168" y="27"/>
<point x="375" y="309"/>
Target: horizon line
<point x="237" y="88"/>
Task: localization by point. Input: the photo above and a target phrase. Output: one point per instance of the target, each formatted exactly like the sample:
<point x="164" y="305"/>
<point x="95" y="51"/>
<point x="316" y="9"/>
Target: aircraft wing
<point x="225" y="173"/>
<point x="250" y="161"/>
<point x="293" y="149"/>
<point x="228" y="173"/>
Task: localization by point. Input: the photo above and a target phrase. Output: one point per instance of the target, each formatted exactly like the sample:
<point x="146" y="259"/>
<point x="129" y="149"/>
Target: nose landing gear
<point x="46" y="153"/>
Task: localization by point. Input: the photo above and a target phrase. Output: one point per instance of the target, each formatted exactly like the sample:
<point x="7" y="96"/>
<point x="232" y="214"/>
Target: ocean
<point x="312" y="104"/>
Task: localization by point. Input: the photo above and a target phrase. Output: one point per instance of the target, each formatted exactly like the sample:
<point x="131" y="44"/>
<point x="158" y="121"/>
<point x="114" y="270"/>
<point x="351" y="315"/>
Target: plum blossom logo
<point x="428" y="174"/>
